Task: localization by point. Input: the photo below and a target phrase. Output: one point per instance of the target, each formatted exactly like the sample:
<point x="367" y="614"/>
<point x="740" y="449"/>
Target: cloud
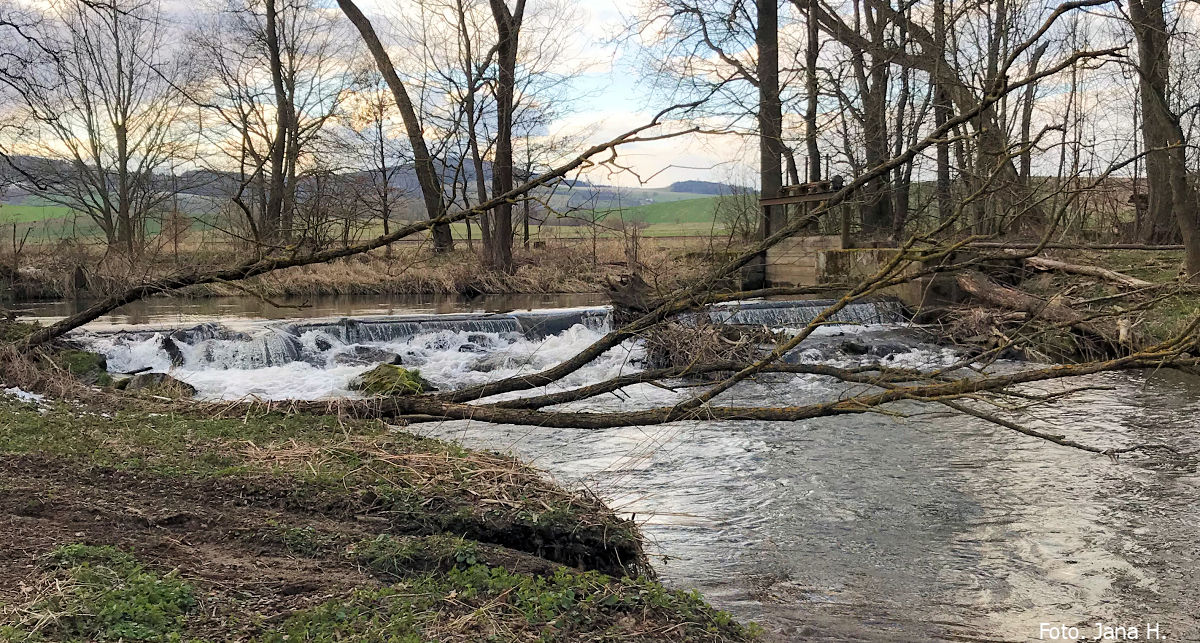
<point x="710" y="157"/>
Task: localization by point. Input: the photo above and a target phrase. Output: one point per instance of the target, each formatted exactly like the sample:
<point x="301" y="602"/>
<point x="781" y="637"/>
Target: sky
<point x="618" y="100"/>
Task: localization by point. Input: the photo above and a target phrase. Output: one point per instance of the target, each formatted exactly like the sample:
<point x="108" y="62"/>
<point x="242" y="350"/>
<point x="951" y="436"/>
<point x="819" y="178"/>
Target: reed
<point x="563" y="266"/>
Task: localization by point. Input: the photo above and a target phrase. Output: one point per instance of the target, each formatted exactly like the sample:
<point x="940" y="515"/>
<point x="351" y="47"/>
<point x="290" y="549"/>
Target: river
<point x="914" y="526"/>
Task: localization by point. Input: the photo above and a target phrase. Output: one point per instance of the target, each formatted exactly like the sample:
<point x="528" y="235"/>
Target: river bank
<point x="1066" y="306"/>
<point x="131" y="517"/>
<point x="901" y="526"/>
<point x="575" y="266"/>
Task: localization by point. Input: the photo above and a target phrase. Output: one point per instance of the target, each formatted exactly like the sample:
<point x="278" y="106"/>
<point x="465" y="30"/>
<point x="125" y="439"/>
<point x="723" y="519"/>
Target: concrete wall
<point x="815" y="260"/>
<point x="800" y="261"/>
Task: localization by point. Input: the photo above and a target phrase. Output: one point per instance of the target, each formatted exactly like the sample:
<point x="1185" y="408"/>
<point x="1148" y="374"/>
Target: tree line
<point x="848" y="85"/>
<point x="978" y="80"/>
<point x="282" y="113"/>
<point x="304" y="117"/>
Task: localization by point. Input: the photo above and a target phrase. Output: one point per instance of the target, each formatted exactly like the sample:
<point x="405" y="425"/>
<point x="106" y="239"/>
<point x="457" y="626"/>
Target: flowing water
<point x="909" y="527"/>
<point x="234" y="310"/>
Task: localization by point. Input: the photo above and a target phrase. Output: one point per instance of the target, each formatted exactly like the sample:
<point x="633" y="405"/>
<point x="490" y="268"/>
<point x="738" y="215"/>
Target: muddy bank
<point x="265" y="526"/>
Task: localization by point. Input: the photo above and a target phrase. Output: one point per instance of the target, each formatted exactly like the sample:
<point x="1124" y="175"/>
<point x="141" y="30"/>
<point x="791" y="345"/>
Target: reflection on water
<point x="171" y="311"/>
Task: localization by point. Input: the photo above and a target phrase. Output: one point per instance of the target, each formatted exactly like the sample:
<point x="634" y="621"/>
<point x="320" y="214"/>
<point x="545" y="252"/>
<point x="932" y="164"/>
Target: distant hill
<point x="207" y="186"/>
<point x="705" y="187"/>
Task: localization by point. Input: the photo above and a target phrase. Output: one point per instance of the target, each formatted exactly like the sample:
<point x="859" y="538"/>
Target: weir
<point x="325" y="343"/>
<point x="782" y="314"/>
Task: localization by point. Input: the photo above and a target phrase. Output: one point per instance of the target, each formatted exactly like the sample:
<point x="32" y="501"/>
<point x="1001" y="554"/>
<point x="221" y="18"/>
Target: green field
<point x="681" y="217"/>
<point x="48" y="223"/>
<point x="10" y="214"/>
<point x="674" y="212"/>
<point x="45" y="221"/>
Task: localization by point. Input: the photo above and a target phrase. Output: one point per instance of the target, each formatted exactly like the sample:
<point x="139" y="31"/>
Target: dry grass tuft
<point x="496" y="481"/>
<point x="561" y="266"/>
<point x="37" y="372"/>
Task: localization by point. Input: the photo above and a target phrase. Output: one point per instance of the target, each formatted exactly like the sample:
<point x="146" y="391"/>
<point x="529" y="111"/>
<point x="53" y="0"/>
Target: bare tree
<point x="508" y="31"/>
<point x="427" y="174"/>
<point x="1173" y="196"/>
<point x="102" y="100"/>
<point x="376" y="151"/>
<point x="270" y="106"/>
<point x="454" y="61"/>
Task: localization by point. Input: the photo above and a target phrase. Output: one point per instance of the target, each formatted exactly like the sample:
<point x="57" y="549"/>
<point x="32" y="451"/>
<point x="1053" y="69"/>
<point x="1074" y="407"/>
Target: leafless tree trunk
<point x="942" y="109"/>
<point x="770" y="112"/>
<point x="1161" y="224"/>
<point x="812" y="47"/>
<point x="871" y="74"/>
<point x="1027" y="104"/>
<point x="508" y="30"/>
<point x="269" y="227"/>
<point x="427" y="175"/>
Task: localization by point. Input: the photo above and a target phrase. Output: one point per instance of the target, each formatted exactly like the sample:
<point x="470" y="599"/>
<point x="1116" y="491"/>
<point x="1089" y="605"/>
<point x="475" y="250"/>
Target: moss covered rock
<point x="89" y="367"/>
<point x="158" y="384"/>
<point x="388" y="379"/>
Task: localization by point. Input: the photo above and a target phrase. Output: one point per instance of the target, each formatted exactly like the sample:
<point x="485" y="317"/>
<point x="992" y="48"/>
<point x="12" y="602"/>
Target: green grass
<point x="101" y="593"/>
<point x="450" y="575"/>
<point x="174" y="444"/>
<point x="25" y="213"/>
<point x="677" y="214"/>
<point x="438" y="606"/>
<point x="674" y="212"/>
<point x="684" y="229"/>
<point x="47" y="221"/>
<point x="342" y="462"/>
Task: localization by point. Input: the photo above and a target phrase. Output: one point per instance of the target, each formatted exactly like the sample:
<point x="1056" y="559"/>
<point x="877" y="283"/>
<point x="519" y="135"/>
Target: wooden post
<point x="846" y="242"/>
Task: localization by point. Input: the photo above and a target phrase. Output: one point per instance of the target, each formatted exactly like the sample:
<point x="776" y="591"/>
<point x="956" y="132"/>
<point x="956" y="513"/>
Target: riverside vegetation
<point x="133" y="517"/>
<point x="75" y="270"/>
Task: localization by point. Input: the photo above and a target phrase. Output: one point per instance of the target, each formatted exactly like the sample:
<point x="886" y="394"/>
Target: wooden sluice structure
<point x="811" y="258"/>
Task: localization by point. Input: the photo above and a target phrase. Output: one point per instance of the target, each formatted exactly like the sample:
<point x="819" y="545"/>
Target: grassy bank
<point x="153" y="524"/>
<point x="566" y="267"/>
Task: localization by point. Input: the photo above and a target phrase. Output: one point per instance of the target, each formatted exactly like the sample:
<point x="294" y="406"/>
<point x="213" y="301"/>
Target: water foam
<point x="315" y="359"/>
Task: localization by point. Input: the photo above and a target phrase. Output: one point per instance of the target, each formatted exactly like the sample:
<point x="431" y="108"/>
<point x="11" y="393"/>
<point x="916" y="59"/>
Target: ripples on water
<point x="873" y="527"/>
<point x="923" y="528"/>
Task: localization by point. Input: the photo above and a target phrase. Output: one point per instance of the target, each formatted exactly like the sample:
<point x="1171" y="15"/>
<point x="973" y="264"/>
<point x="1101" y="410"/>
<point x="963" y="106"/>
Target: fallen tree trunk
<point x="1046" y="265"/>
<point x="930" y="391"/>
<point x="1107" y="335"/>
<point x="1015" y="245"/>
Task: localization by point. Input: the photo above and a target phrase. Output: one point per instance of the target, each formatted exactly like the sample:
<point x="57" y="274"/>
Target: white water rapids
<point x="313" y="359"/>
